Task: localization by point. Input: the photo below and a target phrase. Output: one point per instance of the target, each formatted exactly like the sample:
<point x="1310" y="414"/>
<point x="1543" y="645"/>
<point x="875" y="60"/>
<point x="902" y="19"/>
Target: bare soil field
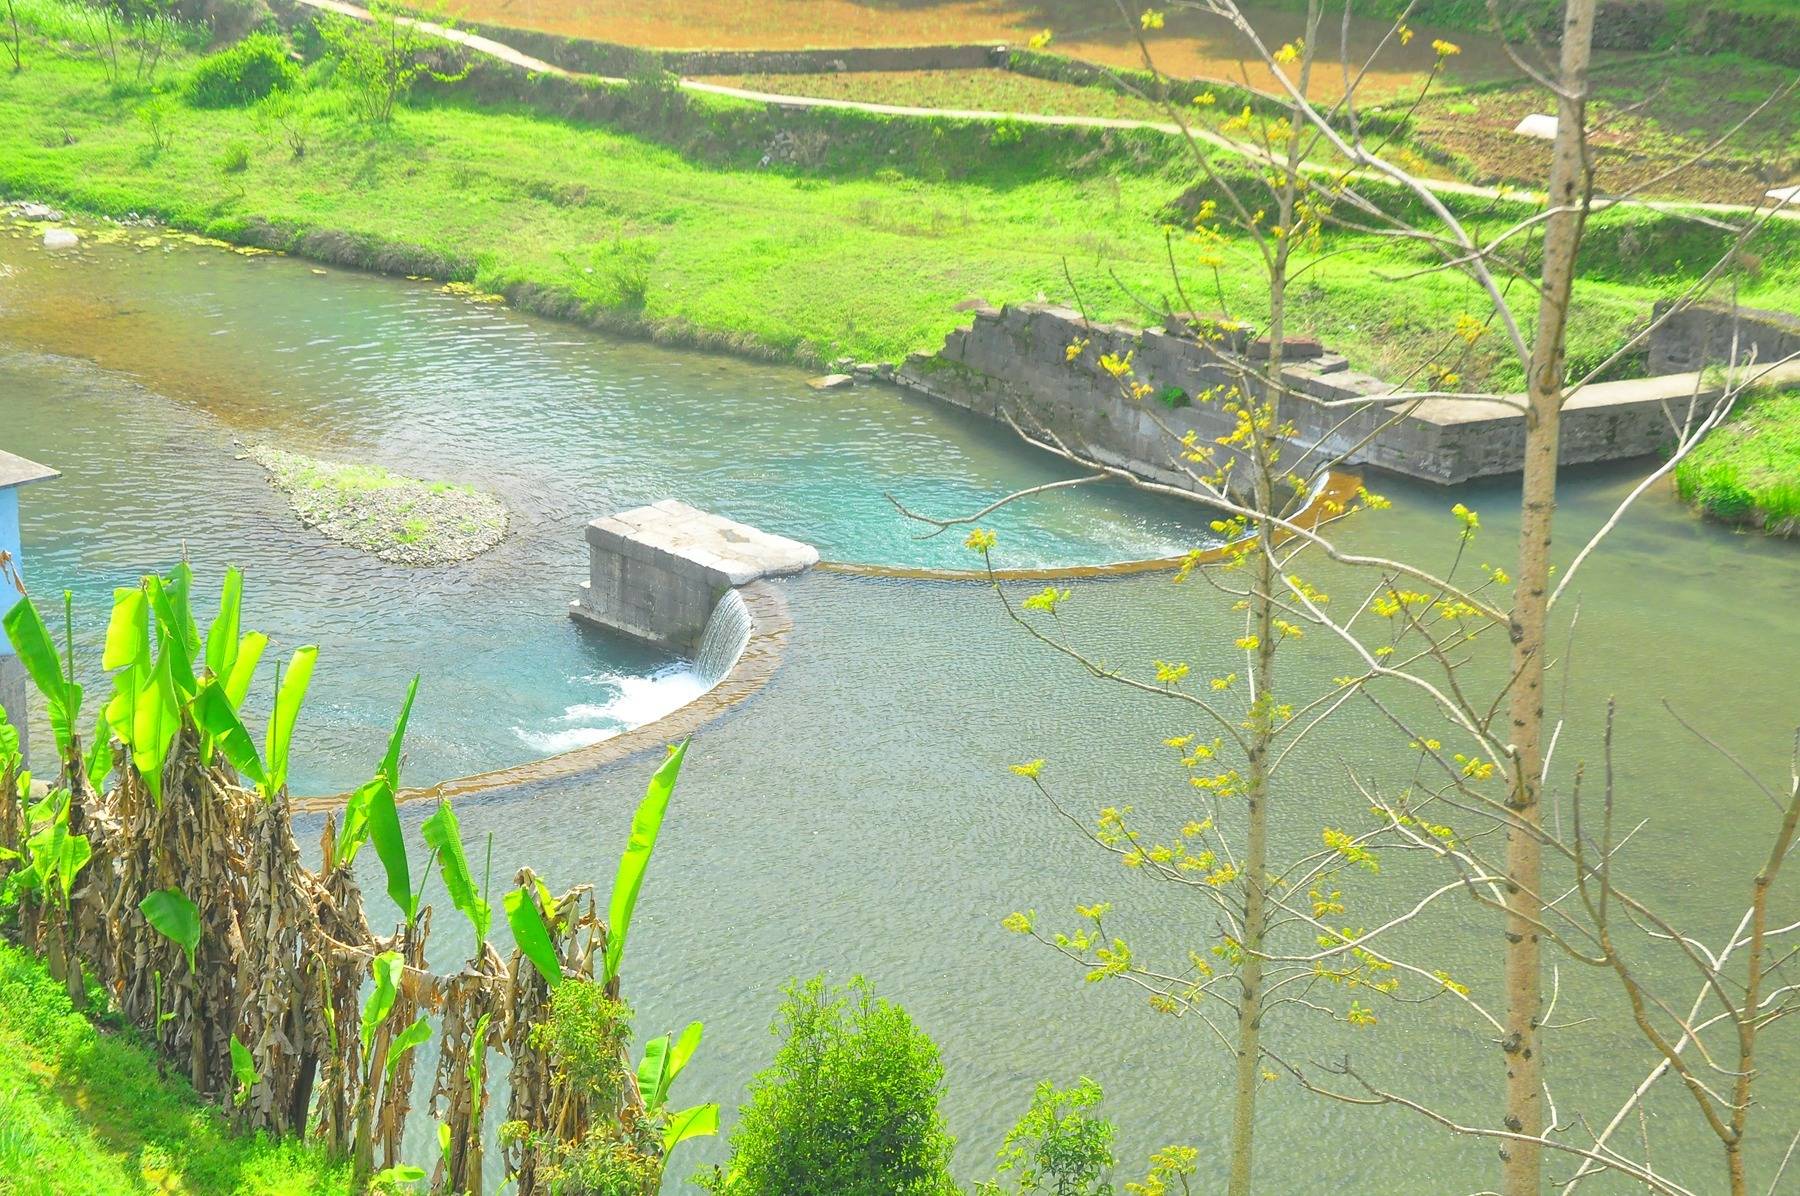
<point x="1655" y="117"/>
<point x="1189" y="46"/>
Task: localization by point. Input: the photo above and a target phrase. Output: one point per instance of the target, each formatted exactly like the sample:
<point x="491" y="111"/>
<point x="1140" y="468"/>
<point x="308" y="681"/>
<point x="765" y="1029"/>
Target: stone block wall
<point x="1013" y="364"/>
<point x="590" y="56"/>
<point x="1702" y="335"/>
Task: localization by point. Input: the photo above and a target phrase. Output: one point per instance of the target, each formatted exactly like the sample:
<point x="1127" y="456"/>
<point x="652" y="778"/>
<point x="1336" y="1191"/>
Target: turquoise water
<point x="857" y="815"/>
<point x="144" y="372"/>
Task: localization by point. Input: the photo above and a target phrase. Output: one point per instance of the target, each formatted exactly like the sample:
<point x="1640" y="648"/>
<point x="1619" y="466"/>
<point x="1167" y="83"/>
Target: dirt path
<point x="1788" y="210"/>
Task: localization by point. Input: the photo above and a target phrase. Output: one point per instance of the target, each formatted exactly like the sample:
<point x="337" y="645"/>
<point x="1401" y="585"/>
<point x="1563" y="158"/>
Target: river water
<point x="857" y="815"/>
<point x="143" y="368"/>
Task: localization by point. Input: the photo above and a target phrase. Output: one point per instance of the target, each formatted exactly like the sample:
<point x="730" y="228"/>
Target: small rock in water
<point x="830" y="381"/>
<point x="37" y="211"/>
<point x="60" y="238"/>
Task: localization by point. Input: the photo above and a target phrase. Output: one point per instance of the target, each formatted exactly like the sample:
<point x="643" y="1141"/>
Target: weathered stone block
<point x="656" y="572"/>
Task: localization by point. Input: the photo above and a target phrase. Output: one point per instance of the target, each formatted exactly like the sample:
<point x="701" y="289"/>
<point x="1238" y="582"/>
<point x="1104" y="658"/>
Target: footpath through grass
<point x="85" y="1112"/>
<point x="797" y="235"/>
<point x="1748" y="471"/>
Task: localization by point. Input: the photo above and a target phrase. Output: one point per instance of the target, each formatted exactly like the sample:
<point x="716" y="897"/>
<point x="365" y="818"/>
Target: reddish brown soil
<point x="1190" y="46"/>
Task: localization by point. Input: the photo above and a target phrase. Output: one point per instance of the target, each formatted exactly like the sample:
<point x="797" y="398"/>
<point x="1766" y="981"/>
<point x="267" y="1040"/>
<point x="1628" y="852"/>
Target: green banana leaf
<point x="387" y="968"/>
<point x="222" y="635"/>
<point x="243" y="1069"/>
<point x="414" y="1035"/>
<point x="443" y="834"/>
<point x="533" y="939"/>
<point x="645" y="825"/>
<point x="213" y="714"/>
<point x="288" y="699"/>
<point x="31" y="640"/>
<point x="243" y="667"/>
<point x="155" y="721"/>
<point x="175" y="918"/>
<point x="701" y="1121"/>
<point x="663" y="1061"/>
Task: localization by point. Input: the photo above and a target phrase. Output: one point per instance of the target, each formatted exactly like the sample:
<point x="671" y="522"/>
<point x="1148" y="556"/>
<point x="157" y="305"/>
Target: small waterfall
<point x="727" y="632"/>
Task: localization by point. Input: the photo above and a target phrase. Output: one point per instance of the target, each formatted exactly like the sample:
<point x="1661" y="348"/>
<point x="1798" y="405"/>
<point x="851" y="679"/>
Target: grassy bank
<point x="795" y="235"/>
<point x="85" y="1112"/>
<point x="1748" y="471"/>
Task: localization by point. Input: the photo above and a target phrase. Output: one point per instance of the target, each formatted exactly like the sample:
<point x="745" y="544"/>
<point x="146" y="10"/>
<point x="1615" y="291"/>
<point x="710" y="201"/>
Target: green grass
<point x="1748" y="471"/>
<point x="859" y="237"/>
<point x="85" y="1112"/>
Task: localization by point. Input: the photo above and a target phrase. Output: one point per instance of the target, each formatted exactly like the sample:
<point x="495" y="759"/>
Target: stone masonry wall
<point x="589" y="56"/>
<point x="1702" y="335"/>
<point x="1013" y="364"/>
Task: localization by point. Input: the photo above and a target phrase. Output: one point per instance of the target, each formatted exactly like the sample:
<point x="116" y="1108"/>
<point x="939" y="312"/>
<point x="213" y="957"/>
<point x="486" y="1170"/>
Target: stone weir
<point x="1015" y="363"/>
<point x="656" y="573"/>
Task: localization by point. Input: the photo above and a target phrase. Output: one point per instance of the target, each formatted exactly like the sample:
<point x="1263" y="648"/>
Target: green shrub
<point x="1058" y="1148"/>
<point x="157" y="116"/>
<point x="1174" y="398"/>
<point x="585" y="1037"/>
<point x="236" y="158"/>
<point x="848" y="1108"/>
<point x="247" y="72"/>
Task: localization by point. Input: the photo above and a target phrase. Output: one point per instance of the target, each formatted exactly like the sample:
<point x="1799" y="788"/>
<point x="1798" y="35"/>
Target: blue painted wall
<point x="9" y="542"/>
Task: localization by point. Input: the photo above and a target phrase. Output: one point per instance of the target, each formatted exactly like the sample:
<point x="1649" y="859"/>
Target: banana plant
<point x="230" y="663"/>
<point x="151" y="689"/>
<point x="53" y="675"/>
<point x="57" y="854"/>
<point x="663" y="1060"/>
<point x="646" y="824"/>
<point x="388" y="969"/>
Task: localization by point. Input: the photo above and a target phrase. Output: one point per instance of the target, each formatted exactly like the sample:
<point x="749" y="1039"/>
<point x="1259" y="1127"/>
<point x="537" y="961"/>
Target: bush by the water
<point x="848" y="1108"/>
<point x="249" y="71"/>
<point x="1748" y="471"/>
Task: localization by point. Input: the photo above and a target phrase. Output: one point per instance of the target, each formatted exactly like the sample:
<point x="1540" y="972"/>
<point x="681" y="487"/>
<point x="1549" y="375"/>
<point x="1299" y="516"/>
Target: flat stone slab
<point x="1539" y="124"/>
<point x="736" y="552"/>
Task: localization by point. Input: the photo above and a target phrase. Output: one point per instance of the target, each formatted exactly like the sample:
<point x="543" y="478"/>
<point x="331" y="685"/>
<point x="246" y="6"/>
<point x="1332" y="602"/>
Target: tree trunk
<point x="1522" y="1162"/>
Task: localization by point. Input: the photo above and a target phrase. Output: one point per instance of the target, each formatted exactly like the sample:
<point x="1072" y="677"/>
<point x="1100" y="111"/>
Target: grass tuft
<point x="1748" y="471"/>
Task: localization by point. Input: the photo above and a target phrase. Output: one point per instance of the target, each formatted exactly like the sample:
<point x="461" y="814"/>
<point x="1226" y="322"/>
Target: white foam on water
<point x="644" y="699"/>
<point x="639" y="700"/>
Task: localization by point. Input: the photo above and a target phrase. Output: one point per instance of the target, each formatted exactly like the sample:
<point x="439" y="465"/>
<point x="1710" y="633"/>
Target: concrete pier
<point x="656" y="572"/>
